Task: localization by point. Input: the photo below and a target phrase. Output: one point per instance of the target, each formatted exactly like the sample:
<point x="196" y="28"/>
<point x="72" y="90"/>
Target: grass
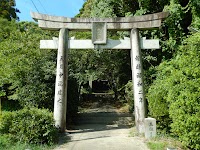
<point x="160" y="142"/>
<point x="156" y="145"/>
<point x="7" y="144"/>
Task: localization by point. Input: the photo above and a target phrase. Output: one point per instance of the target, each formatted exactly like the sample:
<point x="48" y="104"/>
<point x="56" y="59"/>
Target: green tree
<point x="110" y="8"/>
<point x="29" y="71"/>
<point x="8" y="10"/>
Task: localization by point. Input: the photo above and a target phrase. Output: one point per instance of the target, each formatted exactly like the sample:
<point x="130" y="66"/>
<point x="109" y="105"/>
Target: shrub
<point x="4" y="142"/>
<point x="184" y="95"/>
<point x="129" y="95"/>
<point x="29" y="125"/>
<point x="7" y="144"/>
<point x="5" y="121"/>
<point x="176" y="93"/>
<point x="157" y="97"/>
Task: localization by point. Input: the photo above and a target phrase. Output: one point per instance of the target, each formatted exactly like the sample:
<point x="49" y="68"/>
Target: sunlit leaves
<point x="8" y="10"/>
<point x="29" y="70"/>
<point x="176" y="92"/>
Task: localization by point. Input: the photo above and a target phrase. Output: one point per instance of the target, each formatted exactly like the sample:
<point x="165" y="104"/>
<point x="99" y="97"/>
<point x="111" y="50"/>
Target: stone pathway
<point x="102" y="127"/>
<point x="97" y="137"/>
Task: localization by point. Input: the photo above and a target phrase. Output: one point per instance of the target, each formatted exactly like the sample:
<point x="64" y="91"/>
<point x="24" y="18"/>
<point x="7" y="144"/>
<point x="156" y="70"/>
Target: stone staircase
<point x="106" y="118"/>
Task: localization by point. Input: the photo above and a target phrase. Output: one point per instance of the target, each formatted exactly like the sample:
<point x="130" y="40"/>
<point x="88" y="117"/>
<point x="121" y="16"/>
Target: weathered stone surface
<point x="138" y="84"/>
<point x="150" y="127"/>
<point x="149" y="17"/>
<point x="51" y="25"/>
<point x="60" y="100"/>
<point x="149" y="43"/>
<point x="119" y="23"/>
<point x="111" y="44"/>
<point x="99" y="32"/>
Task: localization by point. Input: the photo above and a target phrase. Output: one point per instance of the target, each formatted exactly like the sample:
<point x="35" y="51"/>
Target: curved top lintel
<point x="143" y="18"/>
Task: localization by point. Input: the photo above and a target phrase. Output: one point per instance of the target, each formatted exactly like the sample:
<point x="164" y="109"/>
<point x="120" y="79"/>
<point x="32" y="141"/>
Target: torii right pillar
<point x="138" y="84"/>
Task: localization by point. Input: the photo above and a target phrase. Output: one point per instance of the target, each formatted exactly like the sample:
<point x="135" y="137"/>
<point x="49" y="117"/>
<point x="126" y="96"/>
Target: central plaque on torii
<point x="99" y="27"/>
<point x="99" y="32"/>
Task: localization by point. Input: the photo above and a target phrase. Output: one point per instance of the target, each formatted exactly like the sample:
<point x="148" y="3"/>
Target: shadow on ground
<point x="97" y="123"/>
<point x="101" y="131"/>
<point x="100" y="125"/>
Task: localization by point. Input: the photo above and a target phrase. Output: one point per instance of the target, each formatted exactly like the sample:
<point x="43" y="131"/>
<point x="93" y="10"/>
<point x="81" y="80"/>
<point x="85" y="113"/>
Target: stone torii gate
<point x="99" y="27"/>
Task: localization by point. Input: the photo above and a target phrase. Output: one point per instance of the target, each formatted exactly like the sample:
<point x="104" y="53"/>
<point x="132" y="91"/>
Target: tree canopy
<point x="8" y="10"/>
<point x="24" y="66"/>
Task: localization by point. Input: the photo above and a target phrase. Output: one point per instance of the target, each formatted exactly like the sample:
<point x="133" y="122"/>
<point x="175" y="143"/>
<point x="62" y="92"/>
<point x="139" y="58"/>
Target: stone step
<point x="105" y="114"/>
<point x="105" y="118"/>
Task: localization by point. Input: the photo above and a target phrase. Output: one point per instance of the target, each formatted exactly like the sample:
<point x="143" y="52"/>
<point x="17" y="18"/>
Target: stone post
<point x="137" y="78"/>
<point x="60" y="101"/>
<point x="150" y="127"/>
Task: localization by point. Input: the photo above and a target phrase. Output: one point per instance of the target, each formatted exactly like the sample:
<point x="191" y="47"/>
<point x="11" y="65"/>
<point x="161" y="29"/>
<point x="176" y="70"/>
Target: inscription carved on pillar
<point x="60" y="101"/>
<point x="137" y="77"/>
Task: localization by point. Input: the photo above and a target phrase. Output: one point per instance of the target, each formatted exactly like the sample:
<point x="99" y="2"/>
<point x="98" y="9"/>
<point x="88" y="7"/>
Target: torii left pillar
<point x="60" y="101"/>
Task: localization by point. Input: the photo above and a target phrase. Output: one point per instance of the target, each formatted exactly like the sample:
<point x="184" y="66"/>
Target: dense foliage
<point x="27" y="74"/>
<point x="8" y="10"/>
<point x="175" y="93"/>
<point x="128" y="95"/>
<point x="29" y="125"/>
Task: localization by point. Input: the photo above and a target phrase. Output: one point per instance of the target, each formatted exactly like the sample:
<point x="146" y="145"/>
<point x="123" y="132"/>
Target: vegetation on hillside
<point x="27" y="74"/>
